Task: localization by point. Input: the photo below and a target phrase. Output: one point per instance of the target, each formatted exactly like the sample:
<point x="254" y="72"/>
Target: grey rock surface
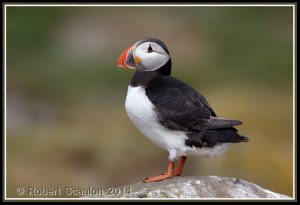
<point x="191" y="187"/>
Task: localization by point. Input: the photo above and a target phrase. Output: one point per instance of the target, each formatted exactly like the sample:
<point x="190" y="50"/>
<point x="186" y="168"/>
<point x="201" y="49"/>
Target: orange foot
<point x="157" y="178"/>
<point x="170" y="173"/>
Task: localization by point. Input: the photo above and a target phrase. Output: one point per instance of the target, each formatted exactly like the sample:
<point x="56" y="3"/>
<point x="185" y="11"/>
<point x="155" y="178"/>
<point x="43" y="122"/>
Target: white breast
<point x="141" y="112"/>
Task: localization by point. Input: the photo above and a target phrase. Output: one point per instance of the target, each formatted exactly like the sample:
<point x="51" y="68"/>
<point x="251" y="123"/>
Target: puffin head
<point x="148" y="54"/>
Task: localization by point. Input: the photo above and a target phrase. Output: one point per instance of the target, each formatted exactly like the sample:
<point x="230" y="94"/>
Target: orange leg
<point x="170" y="173"/>
<point x="180" y="166"/>
<point x="166" y="175"/>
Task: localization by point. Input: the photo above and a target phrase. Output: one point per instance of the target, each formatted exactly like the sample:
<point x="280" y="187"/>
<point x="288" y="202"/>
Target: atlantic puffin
<point x="169" y="112"/>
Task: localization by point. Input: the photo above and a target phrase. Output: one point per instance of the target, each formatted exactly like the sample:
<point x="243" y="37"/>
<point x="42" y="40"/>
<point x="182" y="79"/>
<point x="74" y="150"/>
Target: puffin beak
<point x="126" y="59"/>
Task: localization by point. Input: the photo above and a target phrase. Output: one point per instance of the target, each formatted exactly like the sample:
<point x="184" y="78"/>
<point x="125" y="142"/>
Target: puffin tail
<point x="212" y="137"/>
<point x="224" y="135"/>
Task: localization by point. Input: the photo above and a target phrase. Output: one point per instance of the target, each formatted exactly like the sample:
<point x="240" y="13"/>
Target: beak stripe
<point x="121" y="60"/>
<point x="127" y="59"/>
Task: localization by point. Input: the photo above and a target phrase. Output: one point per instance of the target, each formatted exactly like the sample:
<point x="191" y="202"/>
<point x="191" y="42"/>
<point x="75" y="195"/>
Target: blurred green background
<point x="66" y="121"/>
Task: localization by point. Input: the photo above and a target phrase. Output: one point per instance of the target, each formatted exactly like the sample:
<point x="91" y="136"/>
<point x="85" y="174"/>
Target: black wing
<point x="180" y="107"/>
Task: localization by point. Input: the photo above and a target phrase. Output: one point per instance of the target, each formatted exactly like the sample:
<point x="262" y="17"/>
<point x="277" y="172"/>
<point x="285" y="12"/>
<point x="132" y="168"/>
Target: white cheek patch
<point x="150" y="61"/>
<point x="153" y="61"/>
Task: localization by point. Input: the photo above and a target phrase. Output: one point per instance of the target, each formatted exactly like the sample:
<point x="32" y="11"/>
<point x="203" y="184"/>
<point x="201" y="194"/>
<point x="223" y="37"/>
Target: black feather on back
<point x="179" y="107"/>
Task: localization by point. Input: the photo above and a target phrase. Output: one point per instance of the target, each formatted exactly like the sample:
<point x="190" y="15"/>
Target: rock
<point x="190" y="187"/>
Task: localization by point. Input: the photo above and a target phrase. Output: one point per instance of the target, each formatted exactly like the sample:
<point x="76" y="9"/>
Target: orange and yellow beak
<point x="126" y="59"/>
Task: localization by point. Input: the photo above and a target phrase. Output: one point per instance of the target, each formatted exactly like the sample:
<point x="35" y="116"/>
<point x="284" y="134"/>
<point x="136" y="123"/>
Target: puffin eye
<point x="150" y="49"/>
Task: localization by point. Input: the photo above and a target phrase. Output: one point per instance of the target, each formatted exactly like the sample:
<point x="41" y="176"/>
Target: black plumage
<point x="169" y="112"/>
<point x="180" y="107"/>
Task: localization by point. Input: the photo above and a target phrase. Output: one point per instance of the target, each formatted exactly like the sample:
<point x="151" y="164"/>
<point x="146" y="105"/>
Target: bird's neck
<point x="141" y="78"/>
